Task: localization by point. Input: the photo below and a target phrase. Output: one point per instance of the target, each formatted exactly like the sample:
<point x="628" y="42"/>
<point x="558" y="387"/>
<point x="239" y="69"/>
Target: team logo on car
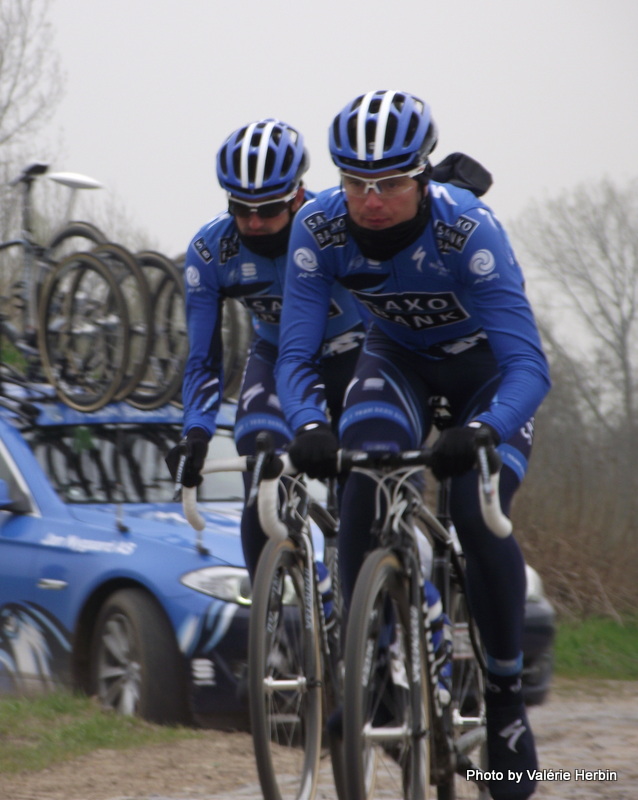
<point x="192" y="276"/>
<point x="305" y="259"/>
<point x="482" y="262"/>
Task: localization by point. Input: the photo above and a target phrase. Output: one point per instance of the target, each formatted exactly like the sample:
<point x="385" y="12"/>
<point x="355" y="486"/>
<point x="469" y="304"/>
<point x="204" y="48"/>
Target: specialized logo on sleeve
<point x="482" y="263"/>
<point x="192" y="276"/>
<point x="203" y="249"/>
<point x="305" y="259"/>
<point x="415" y="310"/>
<point x="454" y="237"/>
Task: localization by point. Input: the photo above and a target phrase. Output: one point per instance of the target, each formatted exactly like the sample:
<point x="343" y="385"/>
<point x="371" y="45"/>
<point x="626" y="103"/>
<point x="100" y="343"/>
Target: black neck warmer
<point x="385" y="244"/>
<point x="269" y="245"/>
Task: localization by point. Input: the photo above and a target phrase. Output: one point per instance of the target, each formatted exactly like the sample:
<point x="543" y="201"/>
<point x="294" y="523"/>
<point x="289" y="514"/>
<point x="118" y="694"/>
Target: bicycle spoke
<point x="386" y="710"/>
<point x="465" y="717"/>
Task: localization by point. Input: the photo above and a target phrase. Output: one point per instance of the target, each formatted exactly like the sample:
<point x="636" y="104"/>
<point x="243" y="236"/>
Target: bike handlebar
<point x="266" y="491"/>
<point x="267" y="472"/>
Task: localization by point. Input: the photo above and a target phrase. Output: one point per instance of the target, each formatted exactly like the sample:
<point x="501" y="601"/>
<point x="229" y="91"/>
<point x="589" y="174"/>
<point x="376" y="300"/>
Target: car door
<point x="34" y="646"/>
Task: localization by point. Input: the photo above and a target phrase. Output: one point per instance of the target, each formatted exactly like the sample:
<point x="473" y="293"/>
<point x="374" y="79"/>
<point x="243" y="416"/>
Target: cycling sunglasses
<point x="388" y="186"/>
<point x="266" y="210"/>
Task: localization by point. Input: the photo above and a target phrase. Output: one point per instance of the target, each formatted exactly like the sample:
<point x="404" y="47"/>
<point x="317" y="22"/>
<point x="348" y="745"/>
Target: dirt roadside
<point x="585" y="726"/>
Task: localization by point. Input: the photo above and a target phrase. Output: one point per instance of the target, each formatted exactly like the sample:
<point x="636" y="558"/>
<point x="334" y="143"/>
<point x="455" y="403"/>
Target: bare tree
<point x="31" y="81"/>
<point x="577" y="510"/>
<point x="584" y="247"/>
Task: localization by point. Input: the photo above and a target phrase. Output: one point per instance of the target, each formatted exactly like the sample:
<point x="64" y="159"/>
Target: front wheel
<point x="284" y="677"/>
<point x="386" y="700"/>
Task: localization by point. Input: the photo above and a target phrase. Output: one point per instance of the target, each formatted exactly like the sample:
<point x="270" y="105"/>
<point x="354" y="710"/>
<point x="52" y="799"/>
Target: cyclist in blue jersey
<point x="241" y="253"/>
<point x="432" y="266"/>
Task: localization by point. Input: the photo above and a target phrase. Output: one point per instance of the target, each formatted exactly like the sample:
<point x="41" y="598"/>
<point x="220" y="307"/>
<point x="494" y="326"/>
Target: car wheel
<point x="136" y="666"/>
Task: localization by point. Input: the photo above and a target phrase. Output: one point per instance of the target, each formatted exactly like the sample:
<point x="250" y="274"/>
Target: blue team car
<point x="105" y="588"/>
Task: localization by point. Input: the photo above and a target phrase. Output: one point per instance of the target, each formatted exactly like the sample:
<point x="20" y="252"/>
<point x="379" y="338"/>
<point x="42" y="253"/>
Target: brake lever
<point x="264" y="447"/>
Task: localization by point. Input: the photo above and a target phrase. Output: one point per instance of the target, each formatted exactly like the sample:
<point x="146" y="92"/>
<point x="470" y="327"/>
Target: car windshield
<point x="123" y="463"/>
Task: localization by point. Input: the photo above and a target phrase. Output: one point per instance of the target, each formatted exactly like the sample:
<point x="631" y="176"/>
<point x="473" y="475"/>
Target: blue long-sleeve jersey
<point x="459" y="280"/>
<point x="219" y="265"/>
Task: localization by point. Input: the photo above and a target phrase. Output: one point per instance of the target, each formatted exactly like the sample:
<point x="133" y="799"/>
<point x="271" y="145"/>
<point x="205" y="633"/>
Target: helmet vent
<point x="382" y="130"/>
<point x="264" y="159"/>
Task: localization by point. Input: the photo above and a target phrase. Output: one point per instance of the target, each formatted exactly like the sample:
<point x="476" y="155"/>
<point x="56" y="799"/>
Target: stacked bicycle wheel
<point x="112" y="325"/>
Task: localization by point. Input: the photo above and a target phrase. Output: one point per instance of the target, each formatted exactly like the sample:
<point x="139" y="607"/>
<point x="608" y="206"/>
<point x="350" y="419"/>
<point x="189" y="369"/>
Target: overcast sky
<point x="544" y="94"/>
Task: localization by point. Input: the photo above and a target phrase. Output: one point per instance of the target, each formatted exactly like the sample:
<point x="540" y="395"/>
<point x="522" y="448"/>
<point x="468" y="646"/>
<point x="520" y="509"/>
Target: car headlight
<point x="535" y="590"/>
<point x="231" y="584"/>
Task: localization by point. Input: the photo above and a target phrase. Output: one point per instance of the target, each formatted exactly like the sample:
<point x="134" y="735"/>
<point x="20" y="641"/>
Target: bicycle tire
<point x="333" y="668"/>
<point x="161" y="381"/>
<point x="83" y="334"/>
<point x="134" y="286"/>
<point x="236" y="335"/>
<point x="465" y="716"/>
<point x="284" y="678"/>
<point x="386" y="701"/>
<point x="65" y="241"/>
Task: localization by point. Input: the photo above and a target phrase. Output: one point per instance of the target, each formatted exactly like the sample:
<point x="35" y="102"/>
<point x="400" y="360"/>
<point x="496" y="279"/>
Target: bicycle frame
<point x="457" y="728"/>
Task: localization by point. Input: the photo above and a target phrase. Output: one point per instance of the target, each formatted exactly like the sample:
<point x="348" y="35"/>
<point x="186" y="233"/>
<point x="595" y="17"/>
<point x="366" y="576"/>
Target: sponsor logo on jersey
<point x="228" y="247"/>
<point x="192" y="276"/>
<point x="305" y="259"/>
<point x="202" y="248"/>
<point x="415" y="310"/>
<point x="327" y="232"/>
<point x="440" y="191"/>
<point x="418" y="256"/>
<point x="266" y="307"/>
<point x="248" y="271"/>
<point x="454" y="237"/>
<point x="439" y="267"/>
<point x="482" y="263"/>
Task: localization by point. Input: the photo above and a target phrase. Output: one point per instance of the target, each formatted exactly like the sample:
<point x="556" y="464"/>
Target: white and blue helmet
<point x="264" y="159"/>
<point x="382" y="130"/>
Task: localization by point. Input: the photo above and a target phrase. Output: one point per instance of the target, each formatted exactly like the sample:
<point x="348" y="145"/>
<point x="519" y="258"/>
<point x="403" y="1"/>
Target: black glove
<point x="314" y="450"/>
<point x="454" y="452"/>
<point x="186" y="459"/>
